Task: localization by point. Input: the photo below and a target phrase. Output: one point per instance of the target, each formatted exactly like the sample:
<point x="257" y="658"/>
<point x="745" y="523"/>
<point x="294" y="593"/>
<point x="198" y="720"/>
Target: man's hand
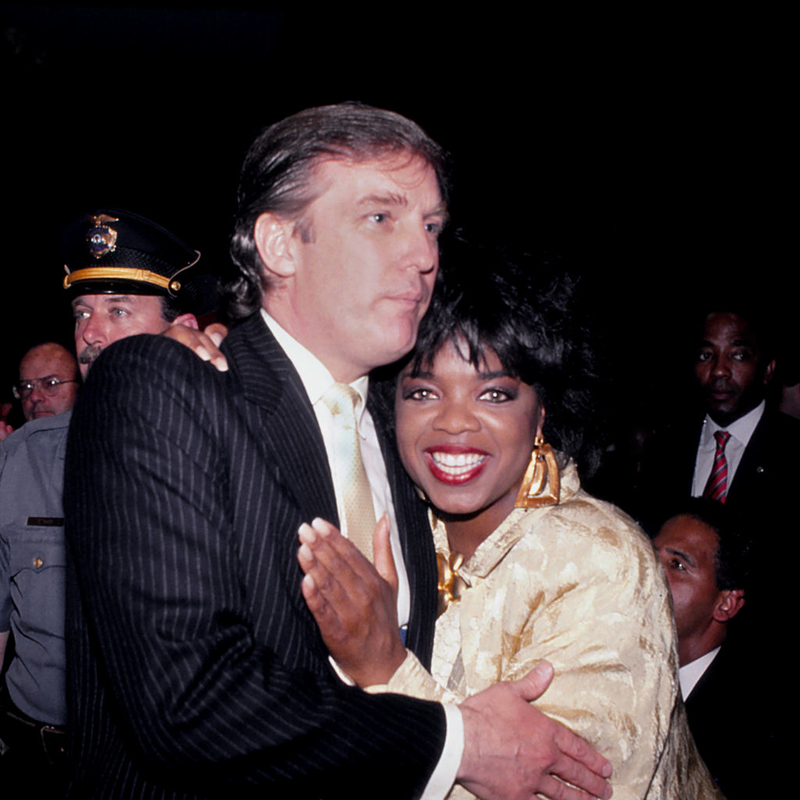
<point x="512" y="750"/>
<point x="204" y="344"/>
<point x="353" y="603"/>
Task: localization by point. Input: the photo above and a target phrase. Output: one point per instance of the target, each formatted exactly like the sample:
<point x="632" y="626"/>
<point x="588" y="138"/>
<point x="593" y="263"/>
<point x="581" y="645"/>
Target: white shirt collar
<point x="313" y="373"/>
<point x="693" y="671"/>
<point x="741" y="429"/>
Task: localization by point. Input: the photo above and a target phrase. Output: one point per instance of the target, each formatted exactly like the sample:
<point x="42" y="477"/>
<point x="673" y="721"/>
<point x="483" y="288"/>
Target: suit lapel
<point x="416" y="541"/>
<point x="753" y="467"/>
<point x="279" y="413"/>
<point x="281" y="417"/>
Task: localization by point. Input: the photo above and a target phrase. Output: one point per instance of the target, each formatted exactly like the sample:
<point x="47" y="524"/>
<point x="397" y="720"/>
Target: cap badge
<point x="102" y="239"/>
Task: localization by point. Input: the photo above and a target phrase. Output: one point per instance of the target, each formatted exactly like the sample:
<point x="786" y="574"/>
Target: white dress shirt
<point x="741" y="430"/>
<point x="693" y="671"/>
<point x="317" y="379"/>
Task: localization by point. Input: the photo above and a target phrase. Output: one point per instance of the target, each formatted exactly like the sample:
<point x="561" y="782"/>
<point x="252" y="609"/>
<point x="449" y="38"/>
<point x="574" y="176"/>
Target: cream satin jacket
<point x="577" y="584"/>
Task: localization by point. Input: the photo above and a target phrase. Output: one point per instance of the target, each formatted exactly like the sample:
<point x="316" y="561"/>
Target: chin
<point x="453" y="503"/>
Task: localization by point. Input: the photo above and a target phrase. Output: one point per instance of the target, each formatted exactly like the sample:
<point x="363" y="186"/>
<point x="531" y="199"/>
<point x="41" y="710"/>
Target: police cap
<point x="111" y="251"/>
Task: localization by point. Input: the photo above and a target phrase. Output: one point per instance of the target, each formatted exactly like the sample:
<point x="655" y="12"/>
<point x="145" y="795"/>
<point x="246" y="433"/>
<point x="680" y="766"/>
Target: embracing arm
<point x="511" y="748"/>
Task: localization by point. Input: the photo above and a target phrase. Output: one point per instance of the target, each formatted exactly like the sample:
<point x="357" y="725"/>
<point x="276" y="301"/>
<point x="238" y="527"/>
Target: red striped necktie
<point x="717" y="485"/>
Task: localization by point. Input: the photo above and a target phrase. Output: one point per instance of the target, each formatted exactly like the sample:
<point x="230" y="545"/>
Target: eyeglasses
<point x="50" y="385"/>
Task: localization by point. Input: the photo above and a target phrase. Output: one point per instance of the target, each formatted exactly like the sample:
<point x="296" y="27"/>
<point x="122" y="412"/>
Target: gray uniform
<point x="32" y="565"/>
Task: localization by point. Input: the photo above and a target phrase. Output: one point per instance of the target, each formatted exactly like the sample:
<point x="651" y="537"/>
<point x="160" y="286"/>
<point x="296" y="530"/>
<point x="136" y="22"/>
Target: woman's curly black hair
<point x="527" y="316"/>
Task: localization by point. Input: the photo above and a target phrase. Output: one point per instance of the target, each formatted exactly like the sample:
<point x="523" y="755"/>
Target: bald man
<point x="48" y="381"/>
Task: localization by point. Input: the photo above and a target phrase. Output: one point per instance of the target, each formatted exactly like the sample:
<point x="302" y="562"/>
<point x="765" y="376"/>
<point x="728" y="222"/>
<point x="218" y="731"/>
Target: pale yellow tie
<point x="359" y="512"/>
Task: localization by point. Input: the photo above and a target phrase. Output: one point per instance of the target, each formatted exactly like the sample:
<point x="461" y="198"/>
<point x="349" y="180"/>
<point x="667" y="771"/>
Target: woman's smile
<point x="466" y="434"/>
<point x="456" y="464"/>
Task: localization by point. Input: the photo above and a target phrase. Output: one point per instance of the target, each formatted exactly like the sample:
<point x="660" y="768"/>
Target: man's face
<point x="730" y="368"/>
<point x="687" y="548"/>
<point x="102" y="319"/>
<point x="48" y="361"/>
<point x="363" y="264"/>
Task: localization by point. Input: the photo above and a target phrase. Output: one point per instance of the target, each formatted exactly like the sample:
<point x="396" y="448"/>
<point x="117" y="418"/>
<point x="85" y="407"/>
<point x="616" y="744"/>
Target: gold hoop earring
<point x="541" y="485"/>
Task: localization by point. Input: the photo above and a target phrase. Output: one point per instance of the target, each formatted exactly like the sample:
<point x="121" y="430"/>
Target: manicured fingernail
<point x="203" y="353"/>
<point x="307" y="533"/>
<point x="319" y="525"/>
<point x="306" y="553"/>
<point x="216" y="338"/>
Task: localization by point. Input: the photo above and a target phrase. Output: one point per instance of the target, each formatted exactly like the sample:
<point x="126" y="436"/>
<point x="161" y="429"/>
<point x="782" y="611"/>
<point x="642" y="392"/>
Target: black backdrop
<point x="650" y="153"/>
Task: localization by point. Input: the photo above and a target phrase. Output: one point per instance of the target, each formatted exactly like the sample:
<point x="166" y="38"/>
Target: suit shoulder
<point x="784" y="424"/>
<point x="138" y="361"/>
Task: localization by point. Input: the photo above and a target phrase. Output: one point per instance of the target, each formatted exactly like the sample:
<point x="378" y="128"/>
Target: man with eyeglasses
<point x="48" y="381"/>
<point x="126" y="276"/>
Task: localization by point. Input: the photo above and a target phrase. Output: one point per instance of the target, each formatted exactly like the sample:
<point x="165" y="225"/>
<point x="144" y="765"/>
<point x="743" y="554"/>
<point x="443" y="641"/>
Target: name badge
<point x="46" y="522"/>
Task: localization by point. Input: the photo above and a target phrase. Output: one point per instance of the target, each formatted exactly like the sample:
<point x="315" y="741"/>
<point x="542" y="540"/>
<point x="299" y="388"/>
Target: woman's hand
<point x="353" y="603"/>
<point x="204" y="344"/>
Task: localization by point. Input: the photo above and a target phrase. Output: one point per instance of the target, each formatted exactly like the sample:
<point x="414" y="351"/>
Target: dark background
<point x="651" y="154"/>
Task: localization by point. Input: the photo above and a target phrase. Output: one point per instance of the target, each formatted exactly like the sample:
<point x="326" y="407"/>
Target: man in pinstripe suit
<point x="198" y="671"/>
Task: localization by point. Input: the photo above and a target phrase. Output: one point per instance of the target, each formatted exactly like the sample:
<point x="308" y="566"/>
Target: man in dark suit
<point x="707" y="565"/>
<point x="198" y="671"/>
<point x="742" y="453"/>
<point x="732" y="452"/>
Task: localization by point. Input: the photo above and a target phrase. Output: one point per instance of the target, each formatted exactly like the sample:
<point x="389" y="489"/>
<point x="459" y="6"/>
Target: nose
<point x="37" y="395"/>
<point x="456" y="417"/>
<point x="92" y="331"/>
<point x="720" y="366"/>
<point x="421" y="250"/>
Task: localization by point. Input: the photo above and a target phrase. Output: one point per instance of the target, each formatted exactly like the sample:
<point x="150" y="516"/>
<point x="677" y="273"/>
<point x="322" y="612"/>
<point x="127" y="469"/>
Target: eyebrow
<point x="673" y="551"/>
<point x="491" y="376"/>
<point x="106" y="298"/>
<point x="484" y="376"/>
<point x="390" y="198"/>
<point x="394" y="199"/>
<point x="43" y="378"/>
<point x="736" y="342"/>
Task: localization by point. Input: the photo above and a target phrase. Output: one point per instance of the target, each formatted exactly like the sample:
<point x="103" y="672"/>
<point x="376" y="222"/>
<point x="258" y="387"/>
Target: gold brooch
<point x="451" y="584"/>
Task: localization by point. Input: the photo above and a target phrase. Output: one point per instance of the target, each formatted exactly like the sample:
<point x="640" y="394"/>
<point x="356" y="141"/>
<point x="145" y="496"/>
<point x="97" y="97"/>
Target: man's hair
<point x="484" y="301"/>
<point x="277" y="175"/>
<point x="732" y="559"/>
<point x="171" y="308"/>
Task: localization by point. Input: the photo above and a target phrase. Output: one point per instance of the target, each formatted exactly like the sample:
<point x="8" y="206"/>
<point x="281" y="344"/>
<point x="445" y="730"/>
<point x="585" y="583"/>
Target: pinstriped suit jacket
<point x="195" y="668"/>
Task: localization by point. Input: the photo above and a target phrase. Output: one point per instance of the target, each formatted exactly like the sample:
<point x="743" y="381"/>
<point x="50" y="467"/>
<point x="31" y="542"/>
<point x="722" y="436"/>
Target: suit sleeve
<point x="194" y="665"/>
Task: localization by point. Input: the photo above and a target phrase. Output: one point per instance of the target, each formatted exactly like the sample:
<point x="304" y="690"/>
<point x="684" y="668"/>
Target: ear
<point x="273" y="237"/>
<point x="768" y="372"/>
<point x="541" y="422"/>
<point x="189" y="320"/>
<point x="729" y="604"/>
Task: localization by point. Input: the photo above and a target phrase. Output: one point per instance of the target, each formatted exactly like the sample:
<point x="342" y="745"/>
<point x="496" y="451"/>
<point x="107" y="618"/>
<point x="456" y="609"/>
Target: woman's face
<point x="466" y="436"/>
